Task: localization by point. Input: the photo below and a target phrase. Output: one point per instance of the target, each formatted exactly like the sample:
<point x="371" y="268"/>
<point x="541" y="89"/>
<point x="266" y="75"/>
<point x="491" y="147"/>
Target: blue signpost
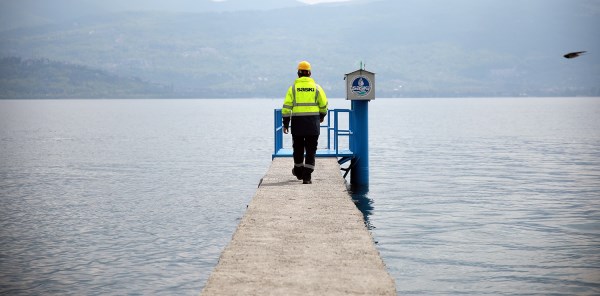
<point x="360" y="89"/>
<point x="359" y="143"/>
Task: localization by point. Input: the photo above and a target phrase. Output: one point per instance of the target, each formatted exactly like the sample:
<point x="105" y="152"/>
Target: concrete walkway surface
<point x="301" y="239"/>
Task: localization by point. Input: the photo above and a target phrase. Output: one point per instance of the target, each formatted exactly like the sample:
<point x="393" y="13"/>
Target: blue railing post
<point x="278" y="130"/>
<point x="336" y="132"/>
<point x="329" y="129"/>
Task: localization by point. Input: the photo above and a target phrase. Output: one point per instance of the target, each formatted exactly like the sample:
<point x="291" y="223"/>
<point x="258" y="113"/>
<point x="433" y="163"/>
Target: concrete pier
<point x="301" y="239"/>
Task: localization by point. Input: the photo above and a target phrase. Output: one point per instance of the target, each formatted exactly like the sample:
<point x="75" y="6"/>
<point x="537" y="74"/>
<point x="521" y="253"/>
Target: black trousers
<point x="302" y="144"/>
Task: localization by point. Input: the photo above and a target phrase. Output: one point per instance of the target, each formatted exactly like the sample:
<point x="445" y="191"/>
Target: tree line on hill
<point x="44" y="78"/>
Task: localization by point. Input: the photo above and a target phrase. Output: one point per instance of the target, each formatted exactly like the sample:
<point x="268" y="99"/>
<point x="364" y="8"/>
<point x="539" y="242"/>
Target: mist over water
<point x="467" y="196"/>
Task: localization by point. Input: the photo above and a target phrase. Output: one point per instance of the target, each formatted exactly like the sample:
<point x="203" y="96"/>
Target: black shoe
<point x="307" y="176"/>
<point x="297" y="171"/>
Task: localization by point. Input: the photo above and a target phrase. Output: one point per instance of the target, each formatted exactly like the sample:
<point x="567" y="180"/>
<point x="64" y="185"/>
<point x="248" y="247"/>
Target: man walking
<point x="305" y="105"/>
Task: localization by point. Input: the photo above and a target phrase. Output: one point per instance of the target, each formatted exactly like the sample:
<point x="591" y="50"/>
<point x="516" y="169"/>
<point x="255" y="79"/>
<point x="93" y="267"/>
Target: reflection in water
<point x="360" y="197"/>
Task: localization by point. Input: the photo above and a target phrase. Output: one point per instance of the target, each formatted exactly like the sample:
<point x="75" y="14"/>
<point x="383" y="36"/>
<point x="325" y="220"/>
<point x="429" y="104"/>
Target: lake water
<point x="467" y="196"/>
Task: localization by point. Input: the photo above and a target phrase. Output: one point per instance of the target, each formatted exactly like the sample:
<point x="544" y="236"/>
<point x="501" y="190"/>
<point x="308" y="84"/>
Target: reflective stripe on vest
<point x="305" y="114"/>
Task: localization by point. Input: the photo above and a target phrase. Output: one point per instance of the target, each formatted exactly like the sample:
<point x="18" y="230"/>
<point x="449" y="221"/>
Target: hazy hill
<point x="416" y="47"/>
<point x="49" y="79"/>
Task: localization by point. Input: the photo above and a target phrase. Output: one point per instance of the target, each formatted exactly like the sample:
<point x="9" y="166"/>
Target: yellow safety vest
<point x="304" y="98"/>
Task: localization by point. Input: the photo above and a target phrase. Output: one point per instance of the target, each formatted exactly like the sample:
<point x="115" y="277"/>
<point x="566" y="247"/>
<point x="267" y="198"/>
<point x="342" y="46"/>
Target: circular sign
<point x="361" y="86"/>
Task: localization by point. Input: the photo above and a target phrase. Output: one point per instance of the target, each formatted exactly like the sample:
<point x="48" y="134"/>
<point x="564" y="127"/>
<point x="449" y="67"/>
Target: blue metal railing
<point x="278" y="131"/>
<point x="333" y="134"/>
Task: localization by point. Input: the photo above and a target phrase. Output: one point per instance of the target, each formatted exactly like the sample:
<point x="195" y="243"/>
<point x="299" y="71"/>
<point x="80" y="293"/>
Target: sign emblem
<point x="361" y="86"/>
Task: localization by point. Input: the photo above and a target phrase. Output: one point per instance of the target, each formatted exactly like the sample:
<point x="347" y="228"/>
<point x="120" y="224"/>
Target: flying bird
<point x="573" y="54"/>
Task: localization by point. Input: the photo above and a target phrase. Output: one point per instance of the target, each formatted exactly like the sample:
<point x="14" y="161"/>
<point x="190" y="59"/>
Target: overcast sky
<point x="322" y="1"/>
<point x="306" y="1"/>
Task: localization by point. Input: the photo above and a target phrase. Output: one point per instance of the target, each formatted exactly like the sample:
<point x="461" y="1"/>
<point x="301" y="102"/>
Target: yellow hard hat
<point x="304" y="65"/>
